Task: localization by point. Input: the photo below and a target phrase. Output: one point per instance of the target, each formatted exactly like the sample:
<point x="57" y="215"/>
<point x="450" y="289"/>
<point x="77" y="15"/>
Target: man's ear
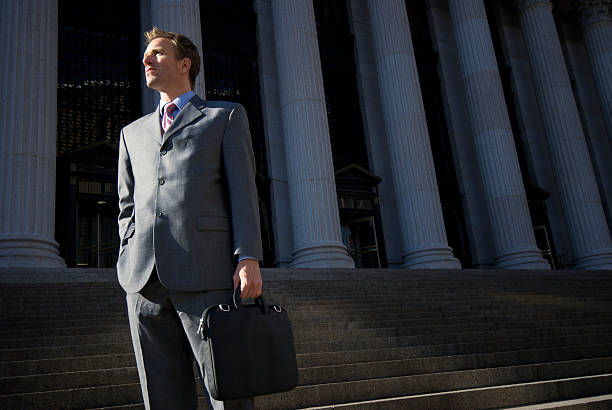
<point x="186" y="64"/>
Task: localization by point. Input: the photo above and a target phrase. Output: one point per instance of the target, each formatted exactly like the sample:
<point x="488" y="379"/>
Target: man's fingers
<point x="250" y="291"/>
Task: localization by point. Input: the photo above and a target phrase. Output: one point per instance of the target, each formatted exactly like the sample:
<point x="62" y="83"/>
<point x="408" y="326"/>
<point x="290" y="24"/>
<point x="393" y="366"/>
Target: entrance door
<point x="359" y="236"/>
<point x="97" y="238"/>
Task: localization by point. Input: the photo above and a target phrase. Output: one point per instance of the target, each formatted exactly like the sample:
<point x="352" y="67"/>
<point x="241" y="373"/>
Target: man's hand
<point x="248" y="276"/>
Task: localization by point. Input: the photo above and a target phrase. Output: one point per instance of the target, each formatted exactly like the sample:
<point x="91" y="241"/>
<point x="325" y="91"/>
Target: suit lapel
<point x="152" y="127"/>
<point x="192" y="111"/>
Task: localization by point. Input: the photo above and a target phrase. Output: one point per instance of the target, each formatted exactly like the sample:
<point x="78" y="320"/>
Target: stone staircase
<point x="366" y="339"/>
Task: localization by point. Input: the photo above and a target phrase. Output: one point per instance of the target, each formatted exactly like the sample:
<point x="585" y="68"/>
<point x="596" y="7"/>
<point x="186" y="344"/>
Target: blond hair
<point x="184" y="49"/>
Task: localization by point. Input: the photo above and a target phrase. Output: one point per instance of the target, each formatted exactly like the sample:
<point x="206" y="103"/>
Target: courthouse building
<point x="387" y="133"/>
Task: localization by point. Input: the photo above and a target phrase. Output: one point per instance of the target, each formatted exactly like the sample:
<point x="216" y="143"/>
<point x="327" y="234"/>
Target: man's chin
<point x="152" y="85"/>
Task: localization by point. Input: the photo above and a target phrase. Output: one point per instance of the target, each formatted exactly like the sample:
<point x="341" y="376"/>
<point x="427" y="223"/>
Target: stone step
<point x="66" y="364"/>
<point x="331" y="297"/>
<point x="586" y="389"/>
<point x="366" y="287"/>
<point x="68" y="380"/>
<point x="480" y="347"/>
<point x="121" y="337"/>
<point x="383" y="343"/>
<point x="339" y="347"/>
<point x="304" y="331"/>
<point x="51" y="317"/>
<point x="441" y="317"/>
<point x="398" y="328"/>
<point x="95" y="349"/>
<point x="585" y="403"/>
<point x="381" y="338"/>
<point x="474" y="352"/>
<point x="364" y="338"/>
<point x="355" y="391"/>
<point x="410" y="319"/>
<point x="433" y="334"/>
<point x="350" y="304"/>
<point x="102" y="398"/>
<point x="374" y="389"/>
<point x="84" y="398"/>
<point x="404" y="367"/>
<point x="320" y="374"/>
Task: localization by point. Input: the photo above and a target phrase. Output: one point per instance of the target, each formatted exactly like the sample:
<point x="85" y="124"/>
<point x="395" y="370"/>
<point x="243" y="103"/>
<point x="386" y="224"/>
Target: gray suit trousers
<point x="164" y="326"/>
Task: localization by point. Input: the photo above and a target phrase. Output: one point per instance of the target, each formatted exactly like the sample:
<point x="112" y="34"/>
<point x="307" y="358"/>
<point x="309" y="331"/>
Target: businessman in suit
<point x="188" y="220"/>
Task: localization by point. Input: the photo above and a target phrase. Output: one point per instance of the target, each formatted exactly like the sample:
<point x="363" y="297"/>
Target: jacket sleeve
<point x="239" y="168"/>
<point x="125" y="188"/>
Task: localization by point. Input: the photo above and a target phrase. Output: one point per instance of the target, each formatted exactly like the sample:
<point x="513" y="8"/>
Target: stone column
<point x="588" y="231"/>
<point x="179" y="16"/>
<point x="317" y="240"/>
<point x="273" y="130"/>
<point x="28" y="91"/>
<point x="460" y="135"/>
<point x="374" y="128"/>
<point x="420" y="213"/>
<point x="513" y="237"/>
<point x="597" y="32"/>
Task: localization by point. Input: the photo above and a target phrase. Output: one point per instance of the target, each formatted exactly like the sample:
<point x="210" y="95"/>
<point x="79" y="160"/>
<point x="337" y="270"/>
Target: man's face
<point x="162" y="69"/>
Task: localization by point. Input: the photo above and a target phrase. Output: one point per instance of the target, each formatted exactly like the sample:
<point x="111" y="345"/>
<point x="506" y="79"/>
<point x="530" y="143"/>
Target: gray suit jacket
<point x="187" y="201"/>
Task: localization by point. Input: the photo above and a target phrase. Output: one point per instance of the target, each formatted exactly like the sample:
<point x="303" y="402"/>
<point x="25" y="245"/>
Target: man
<point x="188" y="219"/>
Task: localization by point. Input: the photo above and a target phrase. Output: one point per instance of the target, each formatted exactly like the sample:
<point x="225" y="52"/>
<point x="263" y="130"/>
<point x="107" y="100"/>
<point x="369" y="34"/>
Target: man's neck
<point x="170" y="96"/>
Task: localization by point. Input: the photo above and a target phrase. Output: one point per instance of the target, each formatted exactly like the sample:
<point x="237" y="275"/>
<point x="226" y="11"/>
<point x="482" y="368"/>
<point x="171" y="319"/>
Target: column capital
<point x="523" y="5"/>
<point x="592" y="12"/>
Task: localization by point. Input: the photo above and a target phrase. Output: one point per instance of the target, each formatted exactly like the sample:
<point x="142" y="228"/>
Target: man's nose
<point x="146" y="60"/>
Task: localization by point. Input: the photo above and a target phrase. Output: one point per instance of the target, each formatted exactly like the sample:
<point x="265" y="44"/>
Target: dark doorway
<point x="98" y="92"/>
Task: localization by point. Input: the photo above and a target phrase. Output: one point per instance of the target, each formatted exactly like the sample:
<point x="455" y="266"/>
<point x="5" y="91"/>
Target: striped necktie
<point x="170" y="111"/>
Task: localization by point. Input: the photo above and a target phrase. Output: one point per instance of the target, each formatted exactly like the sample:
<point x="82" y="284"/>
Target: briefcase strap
<point x="259" y="301"/>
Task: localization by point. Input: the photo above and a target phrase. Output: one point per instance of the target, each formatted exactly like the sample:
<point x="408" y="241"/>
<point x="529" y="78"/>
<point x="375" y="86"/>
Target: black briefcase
<point x="249" y="349"/>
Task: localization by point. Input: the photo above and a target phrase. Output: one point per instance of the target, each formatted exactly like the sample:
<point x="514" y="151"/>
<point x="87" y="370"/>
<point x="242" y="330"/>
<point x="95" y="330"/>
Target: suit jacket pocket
<point x="213" y="223"/>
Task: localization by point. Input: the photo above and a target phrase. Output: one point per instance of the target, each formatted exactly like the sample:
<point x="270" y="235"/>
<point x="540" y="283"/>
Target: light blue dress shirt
<point x="179" y="101"/>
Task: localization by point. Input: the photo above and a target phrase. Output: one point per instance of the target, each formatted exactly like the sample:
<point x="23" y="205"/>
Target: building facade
<point x="387" y="133"/>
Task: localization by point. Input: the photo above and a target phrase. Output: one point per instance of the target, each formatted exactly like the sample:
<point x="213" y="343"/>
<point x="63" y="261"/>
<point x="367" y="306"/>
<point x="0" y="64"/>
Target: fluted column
<point x="572" y="166"/>
<point x="28" y="91"/>
<point x="513" y="237"/>
<point x="424" y="240"/>
<point x="181" y="16"/>
<point x="597" y="32"/>
<point x="317" y="240"/>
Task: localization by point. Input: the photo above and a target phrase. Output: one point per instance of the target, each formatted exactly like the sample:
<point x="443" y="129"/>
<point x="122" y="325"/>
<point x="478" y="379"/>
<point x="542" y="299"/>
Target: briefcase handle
<point x="259" y="301"/>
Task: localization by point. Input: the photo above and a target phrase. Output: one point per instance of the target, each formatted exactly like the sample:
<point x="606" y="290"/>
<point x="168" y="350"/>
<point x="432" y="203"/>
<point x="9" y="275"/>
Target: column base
<point x="431" y="258"/>
<point x="526" y="258"/>
<point x="29" y="251"/>
<point x="322" y="255"/>
<point x="599" y="259"/>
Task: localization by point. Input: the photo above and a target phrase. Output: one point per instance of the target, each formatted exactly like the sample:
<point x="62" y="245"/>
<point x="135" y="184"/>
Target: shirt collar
<point x="180" y="101"/>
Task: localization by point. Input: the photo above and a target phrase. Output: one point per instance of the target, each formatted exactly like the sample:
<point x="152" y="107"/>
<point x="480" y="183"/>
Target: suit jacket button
<point x="162" y="181"/>
<point x="163" y="152"/>
<point x="160" y="214"/>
